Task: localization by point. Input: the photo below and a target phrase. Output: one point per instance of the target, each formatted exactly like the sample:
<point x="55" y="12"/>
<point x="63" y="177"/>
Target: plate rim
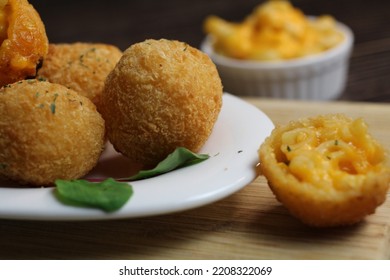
<point x="230" y="102"/>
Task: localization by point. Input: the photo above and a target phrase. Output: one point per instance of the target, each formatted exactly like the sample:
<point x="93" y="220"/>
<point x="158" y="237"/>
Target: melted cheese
<point x="3" y="20"/>
<point x="331" y="152"/>
<point x="274" y="31"/>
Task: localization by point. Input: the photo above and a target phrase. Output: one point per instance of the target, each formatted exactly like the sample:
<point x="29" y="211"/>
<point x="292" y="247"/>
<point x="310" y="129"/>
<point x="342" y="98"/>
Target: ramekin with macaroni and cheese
<point x="279" y="52"/>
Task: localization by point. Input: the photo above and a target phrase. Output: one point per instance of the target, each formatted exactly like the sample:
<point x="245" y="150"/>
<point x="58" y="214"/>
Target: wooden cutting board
<point x="250" y="224"/>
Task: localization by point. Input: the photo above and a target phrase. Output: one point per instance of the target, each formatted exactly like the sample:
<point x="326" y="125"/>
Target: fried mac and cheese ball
<point x="326" y="170"/>
<point x="82" y="67"/>
<point x="47" y="132"/>
<point x="23" y="41"/>
<point x="162" y="95"/>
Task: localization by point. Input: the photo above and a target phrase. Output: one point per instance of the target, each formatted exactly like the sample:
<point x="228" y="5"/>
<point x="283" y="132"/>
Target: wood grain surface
<point x="249" y="224"/>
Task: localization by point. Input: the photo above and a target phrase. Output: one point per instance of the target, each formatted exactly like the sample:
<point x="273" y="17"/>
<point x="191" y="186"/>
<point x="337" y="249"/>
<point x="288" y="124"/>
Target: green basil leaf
<point x="181" y="157"/>
<point x="108" y="195"/>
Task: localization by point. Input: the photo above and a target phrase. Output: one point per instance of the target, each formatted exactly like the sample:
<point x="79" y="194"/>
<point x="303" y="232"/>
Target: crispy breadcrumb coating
<point x="326" y="170"/>
<point x="162" y="94"/>
<point x="47" y="132"/>
<point x="82" y="67"/>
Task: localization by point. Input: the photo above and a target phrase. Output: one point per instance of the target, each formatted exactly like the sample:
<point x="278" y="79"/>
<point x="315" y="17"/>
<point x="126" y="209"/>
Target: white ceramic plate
<point x="232" y="147"/>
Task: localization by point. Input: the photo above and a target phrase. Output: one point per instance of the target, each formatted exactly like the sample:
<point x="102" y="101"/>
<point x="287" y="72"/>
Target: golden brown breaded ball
<point x="326" y="170"/>
<point x="23" y="41"/>
<point x="162" y="95"/>
<point x="82" y="67"/>
<point x="47" y="132"/>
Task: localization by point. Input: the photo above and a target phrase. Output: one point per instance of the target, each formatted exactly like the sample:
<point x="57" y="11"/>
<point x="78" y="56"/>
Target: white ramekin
<point x="316" y="77"/>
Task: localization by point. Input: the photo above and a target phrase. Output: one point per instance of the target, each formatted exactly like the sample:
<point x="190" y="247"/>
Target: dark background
<point x="123" y="23"/>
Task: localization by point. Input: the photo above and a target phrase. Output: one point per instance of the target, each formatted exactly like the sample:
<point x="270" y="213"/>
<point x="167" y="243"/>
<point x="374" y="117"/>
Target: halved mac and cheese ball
<point x="326" y="170"/>
<point x="23" y="41"/>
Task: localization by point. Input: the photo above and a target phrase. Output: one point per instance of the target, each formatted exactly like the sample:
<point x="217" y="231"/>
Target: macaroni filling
<point x="330" y="152"/>
<point x="3" y="20"/>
